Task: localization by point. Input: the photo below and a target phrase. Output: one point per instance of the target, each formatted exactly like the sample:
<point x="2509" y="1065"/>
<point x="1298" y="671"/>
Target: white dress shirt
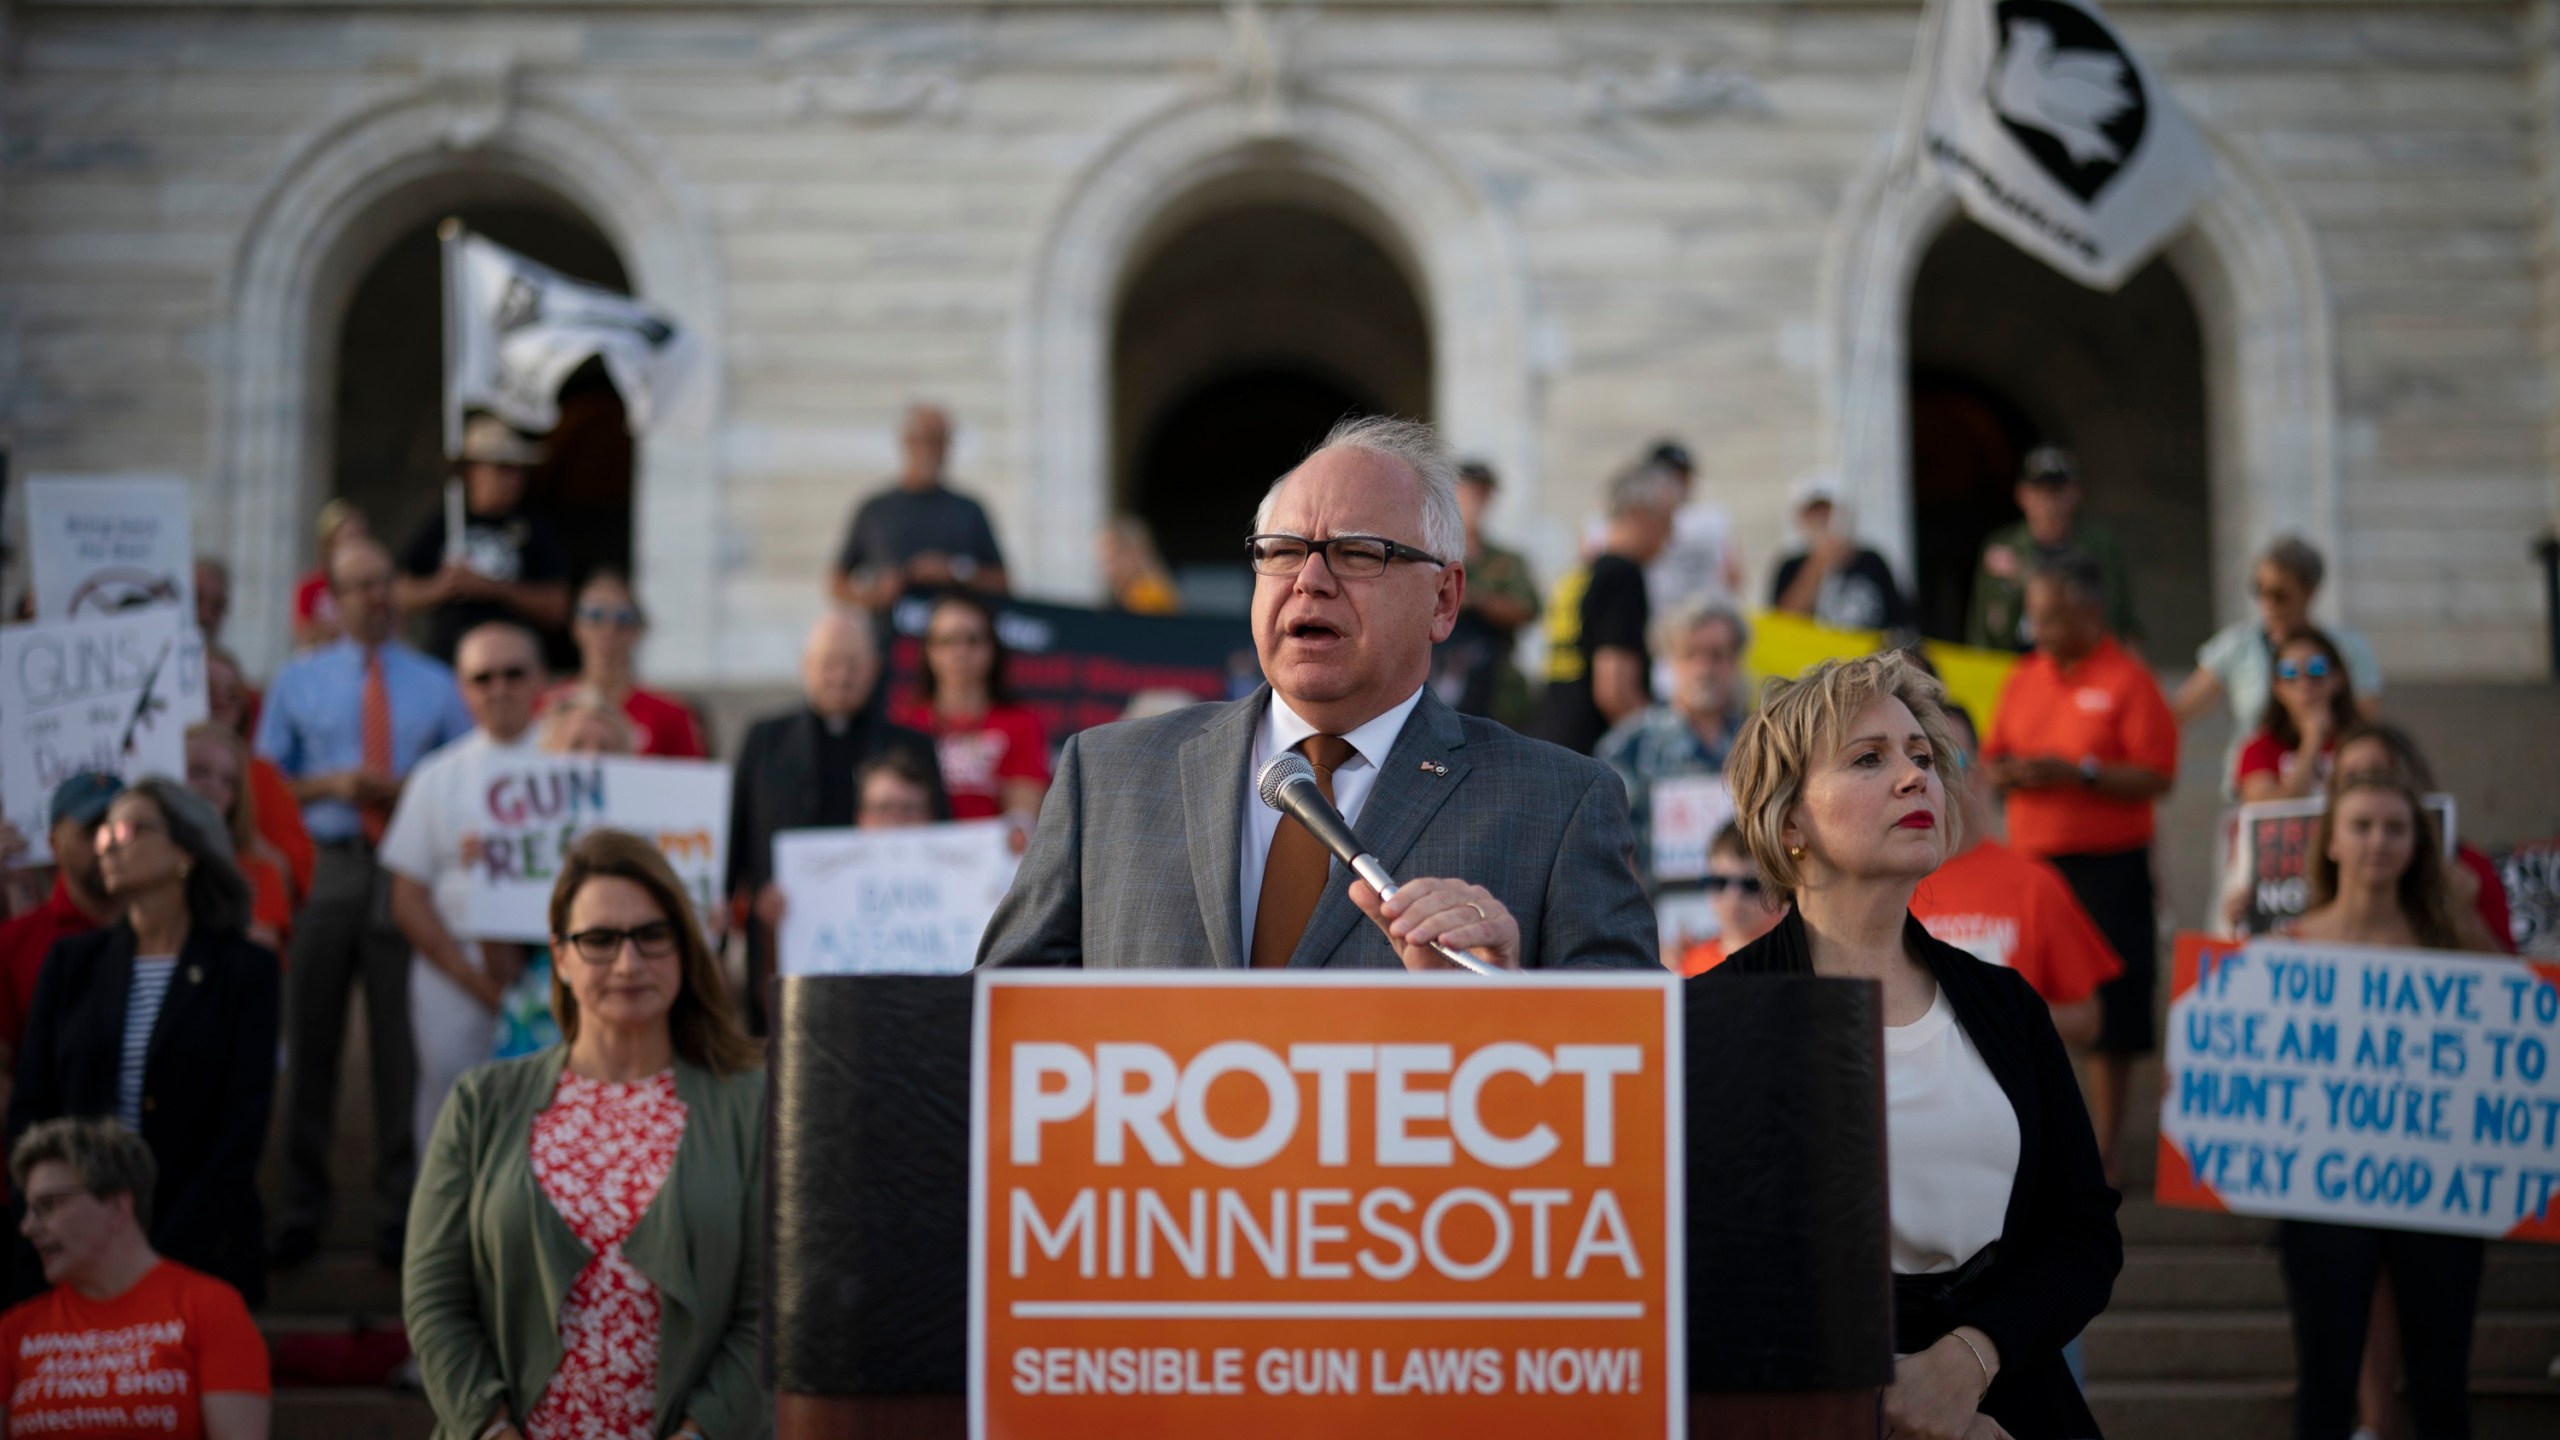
<point x="1951" y="1143"/>
<point x="1282" y="729"/>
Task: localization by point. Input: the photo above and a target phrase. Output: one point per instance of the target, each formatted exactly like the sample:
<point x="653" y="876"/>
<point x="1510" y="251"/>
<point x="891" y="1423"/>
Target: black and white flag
<point x="2058" y="137"/>
<point x="514" y="330"/>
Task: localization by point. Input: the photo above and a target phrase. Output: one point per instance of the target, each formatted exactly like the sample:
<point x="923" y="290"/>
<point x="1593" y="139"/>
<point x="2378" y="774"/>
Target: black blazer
<point x="208" y="1083"/>
<point x="2059" y="1248"/>
<point x="776" y="787"/>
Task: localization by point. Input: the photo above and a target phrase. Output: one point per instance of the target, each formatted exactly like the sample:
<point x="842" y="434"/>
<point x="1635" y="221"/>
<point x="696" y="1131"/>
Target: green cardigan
<point x="489" y="1260"/>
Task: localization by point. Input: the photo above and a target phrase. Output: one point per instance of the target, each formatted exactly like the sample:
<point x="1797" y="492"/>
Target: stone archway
<point x="2248" y="263"/>
<point x="1207" y="153"/>
<point x="332" y="210"/>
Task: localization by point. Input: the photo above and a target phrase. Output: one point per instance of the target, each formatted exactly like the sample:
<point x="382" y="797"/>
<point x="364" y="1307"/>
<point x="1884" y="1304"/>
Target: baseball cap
<point x="85" y="796"/>
<point x="1671" y="454"/>
<point x="2048" y="465"/>
<point x="1814" y="487"/>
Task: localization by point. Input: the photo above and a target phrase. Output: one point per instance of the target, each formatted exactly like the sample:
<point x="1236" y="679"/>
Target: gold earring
<point x="1795" y="852"/>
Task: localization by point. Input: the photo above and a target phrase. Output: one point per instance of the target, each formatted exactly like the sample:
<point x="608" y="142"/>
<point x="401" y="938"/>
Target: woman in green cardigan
<point x="586" y="1230"/>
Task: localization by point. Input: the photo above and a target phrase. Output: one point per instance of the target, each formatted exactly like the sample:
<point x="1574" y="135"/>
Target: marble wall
<point x="1625" y="220"/>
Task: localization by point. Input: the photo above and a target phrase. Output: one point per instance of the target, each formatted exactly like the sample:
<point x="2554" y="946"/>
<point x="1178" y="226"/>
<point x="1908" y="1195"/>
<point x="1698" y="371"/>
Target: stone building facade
<point x="1109" y="235"/>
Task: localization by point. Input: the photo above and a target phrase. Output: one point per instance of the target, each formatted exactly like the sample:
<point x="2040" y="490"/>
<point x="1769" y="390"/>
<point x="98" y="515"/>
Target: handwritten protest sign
<point x="909" y="901"/>
<point x="2269" y="857"/>
<point x="529" y="808"/>
<point x="108" y="694"/>
<point x="1357" y="1206"/>
<point x="2410" y="1089"/>
<point x="103" y="545"/>
<point x="1687" y="813"/>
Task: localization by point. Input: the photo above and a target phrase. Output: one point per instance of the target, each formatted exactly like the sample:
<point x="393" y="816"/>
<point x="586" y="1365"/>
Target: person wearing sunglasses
<point x="2237" y="666"/>
<point x="456" y="983"/>
<point x="165" y="1019"/>
<point x="608" y="626"/>
<point x="630" y="1309"/>
<point x="1745" y="907"/>
<point x="2312" y="703"/>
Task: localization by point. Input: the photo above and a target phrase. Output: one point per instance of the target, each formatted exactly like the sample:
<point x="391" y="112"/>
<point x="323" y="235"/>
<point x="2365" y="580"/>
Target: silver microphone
<point x="1288" y="785"/>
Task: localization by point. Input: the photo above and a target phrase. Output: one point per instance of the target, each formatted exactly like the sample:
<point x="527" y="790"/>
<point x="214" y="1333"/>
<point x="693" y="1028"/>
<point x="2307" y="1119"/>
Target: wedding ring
<point x="1480" y="915"/>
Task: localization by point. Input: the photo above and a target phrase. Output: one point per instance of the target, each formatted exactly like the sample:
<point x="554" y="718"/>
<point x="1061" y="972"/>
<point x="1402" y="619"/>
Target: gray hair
<point x="1693" y="612"/>
<point x="2298" y="558"/>
<point x="1419" y="448"/>
<point x="1645" y="487"/>
<point x="109" y="1159"/>
<point x="219" y="900"/>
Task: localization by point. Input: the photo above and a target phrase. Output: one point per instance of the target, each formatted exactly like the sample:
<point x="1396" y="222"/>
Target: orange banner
<point x="1362" y="1205"/>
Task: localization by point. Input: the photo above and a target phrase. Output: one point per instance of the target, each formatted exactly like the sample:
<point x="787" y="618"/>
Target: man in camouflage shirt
<point x="2049" y="492"/>
<point x="1472" y="670"/>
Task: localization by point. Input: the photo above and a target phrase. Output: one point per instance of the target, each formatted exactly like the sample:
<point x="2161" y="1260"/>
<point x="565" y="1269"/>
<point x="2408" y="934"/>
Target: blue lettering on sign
<point x="2243" y="1168"/>
<point x="2296" y="982"/>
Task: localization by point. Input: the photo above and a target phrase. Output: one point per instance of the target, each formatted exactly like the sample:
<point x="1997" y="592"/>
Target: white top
<point x="1281" y="729"/>
<point x="1951" y="1143"/>
<point x="141" y="1012"/>
<point x="424" y="841"/>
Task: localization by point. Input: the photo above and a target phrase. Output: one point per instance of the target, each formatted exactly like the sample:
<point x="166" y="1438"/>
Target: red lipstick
<point x="1917" y="820"/>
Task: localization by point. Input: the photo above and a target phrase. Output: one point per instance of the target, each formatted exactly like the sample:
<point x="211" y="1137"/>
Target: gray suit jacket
<point x="1134" y="864"/>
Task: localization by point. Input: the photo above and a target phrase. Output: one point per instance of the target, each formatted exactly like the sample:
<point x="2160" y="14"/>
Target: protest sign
<point x="103" y="545"/>
<point x="1077" y="667"/>
<point x="908" y="901"/>
<point x="2531" y="875"/>
<point x="1360" y="1206"/>
<point x="112" y="693"/>
<point x="2410" y="1089"/>
<point x="527" y="809"/>
<point x="1784" y="646"/>
<point x="2270" y="856"/>
<point x="1687" y="812"/>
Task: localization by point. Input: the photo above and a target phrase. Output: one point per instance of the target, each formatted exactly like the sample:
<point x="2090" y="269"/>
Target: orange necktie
<point x="377" y="742"/>
<point x="1293" y="876"/>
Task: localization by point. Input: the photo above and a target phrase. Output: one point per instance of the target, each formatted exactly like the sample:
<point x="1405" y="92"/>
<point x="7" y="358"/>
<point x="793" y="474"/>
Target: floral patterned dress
<point x="601" y="1151"/>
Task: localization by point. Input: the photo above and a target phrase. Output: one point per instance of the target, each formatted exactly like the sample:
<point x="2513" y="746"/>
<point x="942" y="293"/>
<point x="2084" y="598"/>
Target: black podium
<point x="1789" y="1309"/>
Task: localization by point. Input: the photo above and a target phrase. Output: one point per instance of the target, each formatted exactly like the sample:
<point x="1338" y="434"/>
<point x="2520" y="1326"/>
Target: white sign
<point x="907" y="901"/>
<point x="528" y="809"/>
<point x="106" y="694"/>
<point x="2059" y="138"/>
<point x="1687" y="813"/>
<point x="514" y="330"/>
<point x="2358" y="1085"/>
<point x="104" y="545"/>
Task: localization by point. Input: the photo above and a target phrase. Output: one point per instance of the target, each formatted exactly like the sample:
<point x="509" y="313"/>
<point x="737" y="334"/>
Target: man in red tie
<point x="345" y="724"/>
<point x="1152" y="851"/>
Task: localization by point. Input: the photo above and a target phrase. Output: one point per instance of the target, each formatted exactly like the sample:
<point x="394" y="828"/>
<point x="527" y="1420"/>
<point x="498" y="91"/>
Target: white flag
<point x="2059" y="138"/>
<point x="515" y="329"/>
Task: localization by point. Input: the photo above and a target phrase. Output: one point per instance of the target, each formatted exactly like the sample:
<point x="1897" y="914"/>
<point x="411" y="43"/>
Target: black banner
<point x="1076" y="667"/>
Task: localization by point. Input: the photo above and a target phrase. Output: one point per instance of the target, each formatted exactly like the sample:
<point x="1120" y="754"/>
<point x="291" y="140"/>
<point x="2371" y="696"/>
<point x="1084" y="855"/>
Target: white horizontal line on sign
<point x="1327" y="1310"/>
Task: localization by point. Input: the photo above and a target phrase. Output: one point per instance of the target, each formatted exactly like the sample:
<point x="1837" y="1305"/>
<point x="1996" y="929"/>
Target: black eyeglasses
<point x="511" y="674"/>
<point x="2315" y="668"/>
<point x="1351" y="557"/>
<point x="602" y="945"/>
<point x="1749" y="885"/>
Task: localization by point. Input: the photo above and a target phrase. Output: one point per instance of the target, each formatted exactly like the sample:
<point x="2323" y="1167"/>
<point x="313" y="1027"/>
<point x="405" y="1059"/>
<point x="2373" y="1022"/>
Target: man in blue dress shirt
<point x="345" y="724"/>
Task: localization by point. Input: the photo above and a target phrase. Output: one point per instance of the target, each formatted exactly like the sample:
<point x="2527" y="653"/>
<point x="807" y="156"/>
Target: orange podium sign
<point x="1357" y="1205"/>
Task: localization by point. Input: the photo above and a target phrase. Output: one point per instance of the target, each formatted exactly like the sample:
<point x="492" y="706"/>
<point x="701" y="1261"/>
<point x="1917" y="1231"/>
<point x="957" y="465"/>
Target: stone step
<point x="2260" y="1409"/>
<point x="2173" y="1345"/>
<point x="2146" y="1222"/>
<point x="334" y="1284"/>
<point x="350" y="1415"/>
<point x="2223" y="1277"/>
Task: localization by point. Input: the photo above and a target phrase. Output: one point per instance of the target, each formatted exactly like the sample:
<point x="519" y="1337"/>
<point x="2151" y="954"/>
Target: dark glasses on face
<point x="509" y="674"/>
<point x="1748" y="885"/>
<point x="620" y="617"/>
<point x="2315" y="668"/>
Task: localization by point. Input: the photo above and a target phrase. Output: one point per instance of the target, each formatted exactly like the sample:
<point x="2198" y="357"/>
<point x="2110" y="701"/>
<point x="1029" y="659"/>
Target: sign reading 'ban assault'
<point x="1349" y="1206"/>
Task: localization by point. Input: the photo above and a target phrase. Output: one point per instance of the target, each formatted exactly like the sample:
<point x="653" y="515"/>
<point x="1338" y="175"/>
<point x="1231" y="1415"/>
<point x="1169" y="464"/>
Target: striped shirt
<point x="141" y="1010"/>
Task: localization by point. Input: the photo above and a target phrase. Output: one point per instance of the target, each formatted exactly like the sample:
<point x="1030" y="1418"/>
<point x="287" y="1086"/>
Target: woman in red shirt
<point x="608" y="625"/>
<point x="2312" y="704"/>
<point x="218" y="770"/>
<point x="995" y="756"/>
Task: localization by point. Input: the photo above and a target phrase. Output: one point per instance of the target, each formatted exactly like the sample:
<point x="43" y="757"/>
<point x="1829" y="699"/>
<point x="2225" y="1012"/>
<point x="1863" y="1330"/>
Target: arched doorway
<point x="2006" y="354"/>
<point x="1238" y="341"/>
<point x="387" y="452"/>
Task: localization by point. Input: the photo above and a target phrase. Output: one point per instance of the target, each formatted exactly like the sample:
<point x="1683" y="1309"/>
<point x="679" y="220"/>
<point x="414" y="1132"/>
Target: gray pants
<point x="345" y="934"/>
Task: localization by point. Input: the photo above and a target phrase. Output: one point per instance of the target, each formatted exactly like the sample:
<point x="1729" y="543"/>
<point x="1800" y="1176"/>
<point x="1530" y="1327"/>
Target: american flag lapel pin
<point x="1435" y="768"/>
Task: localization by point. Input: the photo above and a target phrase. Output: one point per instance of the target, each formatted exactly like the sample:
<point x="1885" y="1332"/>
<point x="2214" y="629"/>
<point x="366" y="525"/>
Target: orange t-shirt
<point x="269" y="904"/>
<point x="2107" y="707"/>
<point x="139" y="1364"/>
<point x="2002" y="907"/>
<point x="280" y="822"/>
<point x="1702" y="957"/>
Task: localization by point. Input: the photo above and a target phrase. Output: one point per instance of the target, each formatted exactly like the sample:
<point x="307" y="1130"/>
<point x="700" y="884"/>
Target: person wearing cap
<point x="1833" y="580"/>
<point x="2048" y="492"/>
<point x="166" y="1019"/>
<point x="1472" y="669"/>
<point x="507" y="566"/>
<point x="79" y="902"/>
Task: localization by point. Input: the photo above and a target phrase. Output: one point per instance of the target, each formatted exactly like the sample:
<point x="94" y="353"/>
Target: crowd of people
<point x="563" y="1133"/>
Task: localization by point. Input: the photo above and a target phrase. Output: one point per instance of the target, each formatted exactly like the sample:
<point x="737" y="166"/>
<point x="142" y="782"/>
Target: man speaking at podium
<point x="1154" y="853"/>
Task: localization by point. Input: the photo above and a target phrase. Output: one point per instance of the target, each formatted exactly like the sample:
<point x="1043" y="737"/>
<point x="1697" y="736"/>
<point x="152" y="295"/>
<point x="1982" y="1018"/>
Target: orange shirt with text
<point x="2000" y="906"/>
<point x="137" y="1365"/>
<point x="2106" y="707"/>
